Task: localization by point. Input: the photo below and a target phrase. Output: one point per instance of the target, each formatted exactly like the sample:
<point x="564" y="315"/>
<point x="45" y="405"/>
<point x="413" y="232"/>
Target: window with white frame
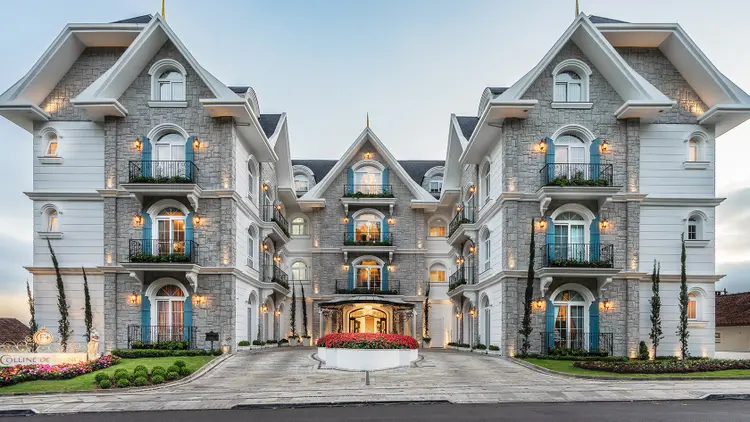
<point x="438" y="228"/>
<point x="437" y="273"/>
<point x="568" y="87"/>
<point x="171" y="86"/>
<point x="570" y="236"/>
<point x="52" y="220"/>
<point x="692" y="311"/>
<point x="170" y="147"/>
<point x="52" y="145"/>
<point x="693" y="150"/>
<point x="170" y="312"/>
<point x="369" y="274"/>
<point x="301" y="183"/>
<point x="368" y="179"/>
<point x="484" y="188"/>
<point x="299" y="271"/>
<point x="436" y="184"/>
<point x="251" y="247"/>
<point x="299" y="227"/>
<point x="486" y="250"/>
<point x="694" y="227"/>
<point x="251" y="179"/>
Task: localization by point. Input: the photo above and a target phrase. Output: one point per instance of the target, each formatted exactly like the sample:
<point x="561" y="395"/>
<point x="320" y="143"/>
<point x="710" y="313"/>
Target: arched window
<point x="570" y="320"/>
<point x="300" y="227"/>
<point x="695" y="227"/>
<point x="692" y="311"/>
<point x="170" y="147"/>
<point x="571" y="157"/>
<point x="251" y="247"/>
<point x="368" y="179"/>
<point x="301" y="183"/>
<point x="299" y="271"/>
<point x="568" y="87"/>
<point x="171" y="86"/>
<point x="369" y="274"/>
<point x="438" y="228"/>
<point x="486" y="251"/>
<point x="484" y="186"/>
<point x="436" y="184"/>
<point x="169" y="301"/>
<point x="570" y="236"/>
<point x="52" y="217"/>
<point x="51" y="149"/>
<point x="251" y="179"/>
<point x="693" y="150"/>
<point x="367" y="228"/>
<point x="170" y="231"/>
<point x="571" y="84"/>
<point x="437" y="273"/>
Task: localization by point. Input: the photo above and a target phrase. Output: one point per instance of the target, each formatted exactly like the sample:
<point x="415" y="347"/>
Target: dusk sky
<point x="409" y="63"/>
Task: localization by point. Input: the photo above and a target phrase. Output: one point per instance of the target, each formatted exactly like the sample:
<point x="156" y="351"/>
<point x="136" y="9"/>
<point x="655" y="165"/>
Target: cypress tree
<point x="656" y="333"/>
<point x="293" y="316"/>
<point x="427" y="312"/>
<point x="682" y="328"/>
<point x="304" y="310"/>
<point x="62" y="305"/>
<point x="526" y="329"/>
<point x="33" y="327"/>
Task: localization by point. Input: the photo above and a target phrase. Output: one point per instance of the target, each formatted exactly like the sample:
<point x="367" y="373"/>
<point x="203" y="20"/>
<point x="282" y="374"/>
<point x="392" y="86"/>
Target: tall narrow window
<point x="436" y="184"/>
<point x="251" y="247"/>
<point x="485" y="183"/>
<point x="692" y="228"/>
<point x="692" y="306"/>
<point x="692" y="150"/>
<point x="486" y="250"/>
<point x="170" y="312"/>
<point x="250" y="179"/>
<point x="52" y="221"/>
<point x="51" y="150"/>
<point x="171" y="86"/>
<point x="567" y="87"/>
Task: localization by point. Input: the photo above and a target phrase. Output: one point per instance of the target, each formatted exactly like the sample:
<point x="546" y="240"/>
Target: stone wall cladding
<point x="89" y="66"/>
<point x="661" y="73"/>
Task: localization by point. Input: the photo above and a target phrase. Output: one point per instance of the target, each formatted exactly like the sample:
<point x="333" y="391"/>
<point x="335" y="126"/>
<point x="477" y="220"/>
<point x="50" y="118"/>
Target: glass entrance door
<point x="570" y="320"/>
<point x="171" y="231"/>
<point x="368" y="320"/>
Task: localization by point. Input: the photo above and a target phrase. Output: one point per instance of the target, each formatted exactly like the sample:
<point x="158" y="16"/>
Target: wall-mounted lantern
<point x="133" y="298"/>
<point x="538" y="304"/>
<point x="604" y="147"/>
<point x="138" y="144"/>
<point x="197" y="220"/>
<point x="542" y="146"/>
<point x="196" y="144"/>
<point x="138" y="220"/>
<point x="604" y="224"/>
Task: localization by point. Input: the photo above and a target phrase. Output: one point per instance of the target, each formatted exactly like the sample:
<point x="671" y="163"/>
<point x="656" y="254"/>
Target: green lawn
<point x="86" y="382"/>
<point x="566" y="366"/>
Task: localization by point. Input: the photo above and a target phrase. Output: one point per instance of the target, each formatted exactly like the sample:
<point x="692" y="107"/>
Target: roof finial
<point x="368" y="119"/>
<point x="577" y="8"/>
<point x="164" y="13"/>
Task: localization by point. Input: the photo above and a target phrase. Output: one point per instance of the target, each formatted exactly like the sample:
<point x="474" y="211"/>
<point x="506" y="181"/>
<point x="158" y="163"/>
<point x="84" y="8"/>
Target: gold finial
<point x="577" y="8"/>
<point x="368" y="119"/>
<point x="163" y="11"/>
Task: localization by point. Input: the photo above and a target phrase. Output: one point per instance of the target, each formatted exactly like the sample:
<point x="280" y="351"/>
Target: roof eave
<point x="490" y="124"/>
<point x="247" y="123"/>
<point x="24" y="114"/>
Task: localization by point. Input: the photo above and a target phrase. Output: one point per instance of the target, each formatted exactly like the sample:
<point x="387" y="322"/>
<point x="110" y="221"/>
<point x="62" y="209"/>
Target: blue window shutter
<point x="386" y="182"/>
<point x="146" y="164"/>
<point x="549" y="158"/>
<point x="146" y="230"/>
<point x="384" y="278"/>
<point x="595" y="158"/>
<point x="349" y="180"/>
<point x="550" y="239"/>
<point x="595" y="240"/>
<point x="188" y="234"/>
<point x="351" y="276"/>
<point x="384" y="229"/>
<point x="549" y="325"/>
<point x="145" y="319"/>
<point x="189" y="157"/>
<point x="594" y="326"/>
<point x="350" y="229"/>
<point x="187" y="318"/>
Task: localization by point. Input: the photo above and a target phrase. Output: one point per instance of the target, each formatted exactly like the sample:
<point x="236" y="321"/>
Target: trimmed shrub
<point x="173" y="368"/>
<point x="154" y="353"/>
<point x="258" y="343"/>
<point x="217" y="352"/>
<point x="140" y="381"/>
<point x="271" y="342"/>
<point x="494" y="348"/>
<point x="367" y="341"/>
<point x="157" y="379"/>
<point x="283" y="341"/>
<point x="122" y="375"/>
<point x="157" y="369"/>
<point x="105" y="384"/>
<point x="185" y="372"/>
<point x="123" y="383"/>
<point x="480" y="346"/>
<point x="143" y="374"/>
<point x="140" y="368"/>
<point x="643" y="351"/>
<point x="575" y="358"/>
<point x="244" y="343"/>
<point x="180" y="363"/>
<point x="101" y="376"/>
<point x="664" y="366"/>
<point x="171" y="376"/>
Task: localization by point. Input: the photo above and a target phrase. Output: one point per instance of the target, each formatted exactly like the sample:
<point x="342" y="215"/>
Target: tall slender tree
<point x="293" y="314"/>
<point x="656" y="333"/>
<point x="304" y="310"/>
<point x="526" y="329"/>
<point x="33" y="327"/>
<point x="682" y="327"/>
<point x="62" y="304"/>
<point x="87" y="315"/>
<point x="427" y="311"/>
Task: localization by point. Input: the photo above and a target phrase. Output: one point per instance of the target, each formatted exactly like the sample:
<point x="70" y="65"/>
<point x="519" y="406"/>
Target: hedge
<point x="155" y="353"/>
<point x="664" y="366"/>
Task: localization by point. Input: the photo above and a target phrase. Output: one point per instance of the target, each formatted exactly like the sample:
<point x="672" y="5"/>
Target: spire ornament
<point x="577" y="8"/>
<point x="164" y="13"/>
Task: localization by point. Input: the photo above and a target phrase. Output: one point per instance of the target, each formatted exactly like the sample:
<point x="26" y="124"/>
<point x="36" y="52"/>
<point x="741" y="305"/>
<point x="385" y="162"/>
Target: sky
<point x="408" y="63"/>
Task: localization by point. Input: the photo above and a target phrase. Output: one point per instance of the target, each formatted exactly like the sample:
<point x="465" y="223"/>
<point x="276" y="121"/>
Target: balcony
<point x="462" y="226"/>
<point x="465" y="274"/>
<point x="275" y="275"/>
<point x="368" y="195"/>
<point x="577" y="260"/>
<point x="577" y="339"/>
<point x="362" y="238"/>
<point x="368" y="287"/>
<point x="163" y="178"/>
<point x="161" y="251"/>
<point x="149" y="336"/>
<point x="577" y="181"/>
<point x="278" y="224"/>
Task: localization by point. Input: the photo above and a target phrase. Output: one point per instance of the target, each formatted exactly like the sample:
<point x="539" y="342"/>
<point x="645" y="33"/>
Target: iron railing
<point x="587" y="255"/>
<point x="272" y="213"/>
<point x="576" y="174"/>
<point x="154" y="250"/>
<point x="465" y="274"/>
<point x="274" y="274"/>
<point x="368" y="287"/>
<point x="372" y="238"/>
<point x="162" y="171"/>
<point x="369" y="190"/>
<point x="464" y="215"/>
<point x="577" y="339"/>
<point x="153" y="334"/>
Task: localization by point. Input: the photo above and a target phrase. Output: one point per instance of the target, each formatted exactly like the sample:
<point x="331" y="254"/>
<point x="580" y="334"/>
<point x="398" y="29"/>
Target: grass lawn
<point x="86" y="382"/>
<point x="566" y="366"/>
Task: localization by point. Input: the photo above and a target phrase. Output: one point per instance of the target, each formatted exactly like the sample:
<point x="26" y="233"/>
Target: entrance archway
<point x="368" y="320"/>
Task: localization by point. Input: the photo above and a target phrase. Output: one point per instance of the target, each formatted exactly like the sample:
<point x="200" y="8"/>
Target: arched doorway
<point x="485" y="321"/>
<point x="368" y="320"/>
<point x="571" y="316"/>
<point x="252" y="324"/>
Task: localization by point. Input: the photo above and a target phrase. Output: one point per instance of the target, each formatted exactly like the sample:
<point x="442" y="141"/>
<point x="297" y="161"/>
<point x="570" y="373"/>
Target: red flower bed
<point x="20" y="373"/>
<point x="367" y="341"/>
<point x="664" y="366"/>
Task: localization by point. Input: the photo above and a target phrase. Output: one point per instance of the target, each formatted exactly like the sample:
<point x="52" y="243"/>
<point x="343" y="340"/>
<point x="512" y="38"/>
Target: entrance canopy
<point x="393" y="301"/>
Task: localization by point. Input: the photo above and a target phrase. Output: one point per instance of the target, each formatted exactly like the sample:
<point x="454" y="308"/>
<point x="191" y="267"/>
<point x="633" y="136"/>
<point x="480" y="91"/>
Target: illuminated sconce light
<point x="391" y="220"/>
<point x="276" y="259"/>
<point x="278" y="207"/>
<point x="368" y="156"/>
<point x="133" y="298"/>
<point x="138" y="220"/>
<point x="473" y="312"/>
<point x="138" y="144"/>
<point x="264" y="247"/>
<point x="199" y="299"/>
<point x="472" y="249"/>
<point x="197" y="220"/>
<point x="346" y="219"/>
<point x="604" y="224"/>
<point x="459" y="207"/>
<point x="542" y="224"/>
<point x="264" y="308"/>
<point x="542" y="146"/>
<point x="196" y="143"/>
<point x="472" y="189"/>
<point x="390" y="268"/>
<point x="604" y="147"/>
<point x="346" y="267"/>
<point x="538" y="304"/>
<point x="264" y="187"/>
<point x="607" y="305"/>
<point x="459" y="261"/>
<point x="458" y="316"/>
<point x="277" y="312"/>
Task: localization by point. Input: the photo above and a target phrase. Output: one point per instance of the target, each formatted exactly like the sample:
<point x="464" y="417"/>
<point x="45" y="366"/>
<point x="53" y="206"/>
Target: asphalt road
<point x="687" y="411"/>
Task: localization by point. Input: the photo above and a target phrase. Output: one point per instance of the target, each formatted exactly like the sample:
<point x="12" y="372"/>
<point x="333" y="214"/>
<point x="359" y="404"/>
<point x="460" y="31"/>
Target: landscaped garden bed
<point x="22" y="373"/>
<point x="141" y="376"/>
<point x="367" y="351"/>
<point x="664" y="366"/>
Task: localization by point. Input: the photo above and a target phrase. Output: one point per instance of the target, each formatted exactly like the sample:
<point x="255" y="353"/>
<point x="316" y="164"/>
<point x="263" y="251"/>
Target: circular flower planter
<point x="366" y="352"/>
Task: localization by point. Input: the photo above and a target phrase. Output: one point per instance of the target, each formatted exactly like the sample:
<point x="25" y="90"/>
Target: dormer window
<point x="171" y="86"/>
<point x="168" y="78"/>
<point x="301" y="183"/>
<point x="571" y="84"/>
<point x="568" y="87"/>
<point x="436" y="184"/>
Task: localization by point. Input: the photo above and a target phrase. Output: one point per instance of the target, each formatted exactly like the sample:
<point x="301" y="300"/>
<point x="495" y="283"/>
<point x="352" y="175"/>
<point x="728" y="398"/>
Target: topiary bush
<point x="258" y="343"/>
<point x="171" y="375"/>
<point x="105" y="384"/>
<point x="101" y="376"/>
<point x="185" y="372"/>
<point x="157" y="379"/>
<point x="122" y="375"/>
<point x="140" y="368"/>
<point x="120" y="371"/>
<point x="179" y="363"/>
<point x="123" y="383"/>
<point x="173" y="368"/>
<point x="143" y="374"/>
<point x="243" y="343"/>
<point x="494" y="348"/>
<point x="140" y="381"/>
<point x="158" y="368"/>
<point x="643" y="351"/>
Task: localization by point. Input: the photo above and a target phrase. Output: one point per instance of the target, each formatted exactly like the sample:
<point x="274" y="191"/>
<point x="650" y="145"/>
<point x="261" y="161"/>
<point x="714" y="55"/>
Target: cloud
<point x="13" y="255"/>
<point x="737" y="276"/>
<point x="733" y="228"/>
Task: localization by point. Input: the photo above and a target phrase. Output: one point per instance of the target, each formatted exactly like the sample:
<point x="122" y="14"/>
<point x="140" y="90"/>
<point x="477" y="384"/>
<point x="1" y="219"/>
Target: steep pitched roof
<point x="12" y="330"/>
<point x="420" y="195"/>
<point x="269" y="122"/>
<point x="467" y="125"/>
<point x="733" y="309"/>
<point x="320" y="168"/>
<point x="600" y="19"/>
<point x="418" y="168"/>
<point x="138" y="19"/>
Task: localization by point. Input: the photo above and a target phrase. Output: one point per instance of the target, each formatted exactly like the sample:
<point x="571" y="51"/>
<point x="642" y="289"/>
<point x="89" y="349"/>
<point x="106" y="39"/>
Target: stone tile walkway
<point x="290" y="375"/>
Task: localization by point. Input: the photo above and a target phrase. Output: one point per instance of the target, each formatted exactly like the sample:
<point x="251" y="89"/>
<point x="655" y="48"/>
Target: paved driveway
<point x="290" y="375"/>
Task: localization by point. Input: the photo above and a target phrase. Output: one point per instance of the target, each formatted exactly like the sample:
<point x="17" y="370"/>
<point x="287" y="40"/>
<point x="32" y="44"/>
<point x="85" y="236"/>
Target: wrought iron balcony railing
<point x="149" y="336"/>
<point x="368" y="287"/>
<point x="368" y="191"/>
<point x="581" y="255"/>
<point x="272" y="213"/>
<point x="162" y="251"/>
<point x="162" y="171"/>
<point x="576" y="339"/>
<point x="576" y="174"/>
<point x="465" y="215"/>
<point x="373" y="238"/>
<point x="274" y="274"/>
<point x="465" y="274"/>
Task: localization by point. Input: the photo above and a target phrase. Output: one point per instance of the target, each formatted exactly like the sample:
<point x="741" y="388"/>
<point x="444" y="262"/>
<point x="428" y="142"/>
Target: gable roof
<point x="137" y="19"/>
<point x="601" y="19"/>
<point x="269" y="122"/>
<point x="320" y="168"/>
<point x="417" y="168"/>
<point x="13" y="330"/>
<point x="733" y="309"/>
<point x="467" y="125"/>
<point x="420" y="195"/>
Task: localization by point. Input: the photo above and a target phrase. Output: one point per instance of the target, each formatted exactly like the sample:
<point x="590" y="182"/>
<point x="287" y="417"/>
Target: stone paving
<point x="290" y="375"/>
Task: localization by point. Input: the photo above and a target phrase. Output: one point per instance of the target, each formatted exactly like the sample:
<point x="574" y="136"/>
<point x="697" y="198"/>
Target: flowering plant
<point x="20" y="373"/>
<point x="367" y="341"/>
<point x="664" y="366"/>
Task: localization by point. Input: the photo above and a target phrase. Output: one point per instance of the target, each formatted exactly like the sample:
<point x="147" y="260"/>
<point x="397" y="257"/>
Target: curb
<point x="717" y="397"/>
<point x="18" y="412"/>
<point x="543" y="370"/>
<point x="335" y="404"/>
